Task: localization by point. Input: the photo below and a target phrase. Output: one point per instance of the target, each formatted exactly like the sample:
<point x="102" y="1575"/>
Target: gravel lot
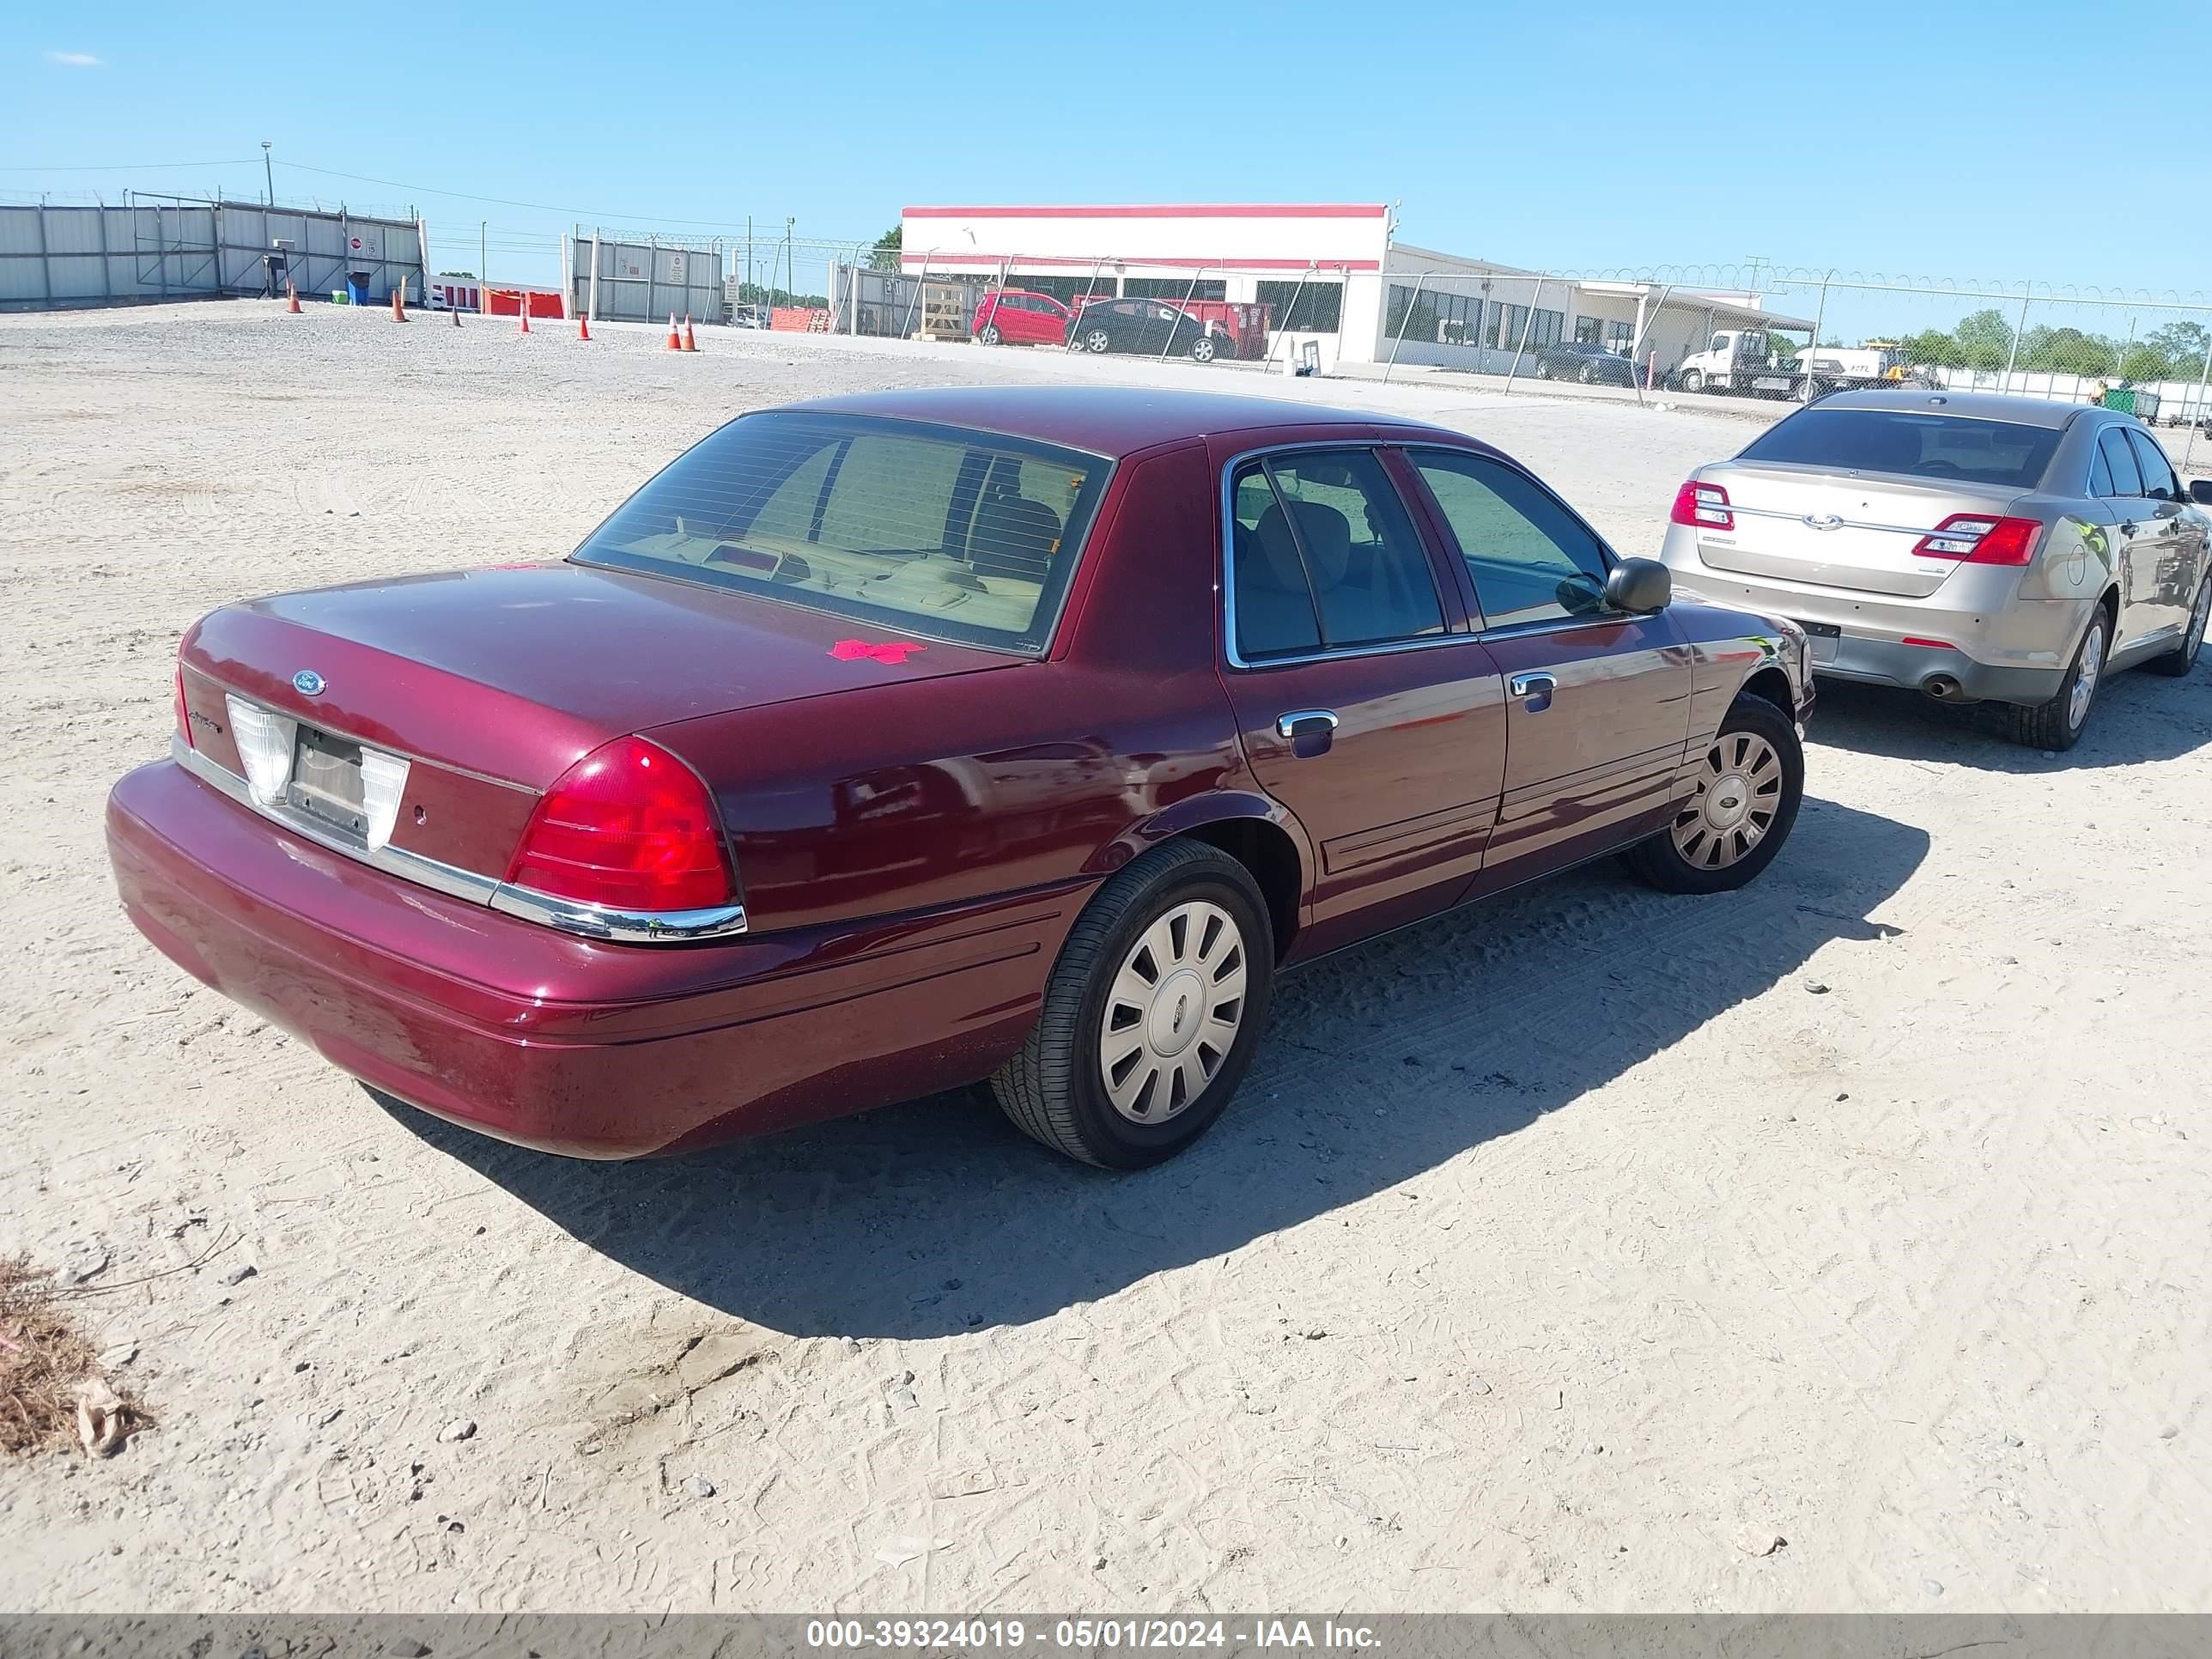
<point x="1566" y="1253"/>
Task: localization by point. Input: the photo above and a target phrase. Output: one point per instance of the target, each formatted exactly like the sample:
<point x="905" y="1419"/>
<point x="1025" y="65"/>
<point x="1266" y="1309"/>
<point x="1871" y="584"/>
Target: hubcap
<point x="2197" y="619"/>
<point x="2085" y="678"/>
<point x="1173" y="1013"/>
<point x="1738" y="792"/>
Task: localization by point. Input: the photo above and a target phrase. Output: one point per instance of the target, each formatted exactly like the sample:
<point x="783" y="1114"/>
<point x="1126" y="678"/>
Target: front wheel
<point x="1152" y="1012"/>
<point x="1748" y="786"/>
<point x="1202" y="350"/>
<point x="2059" y="724"/>
<point x="1693" y="380"/>
<point x="2183" y="658"/>
<point x="1587" y="376"/>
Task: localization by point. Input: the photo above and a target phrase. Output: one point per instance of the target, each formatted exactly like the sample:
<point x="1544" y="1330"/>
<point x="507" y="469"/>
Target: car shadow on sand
<point x="2138" y="717"/>
<point x="1379" y="1065"/>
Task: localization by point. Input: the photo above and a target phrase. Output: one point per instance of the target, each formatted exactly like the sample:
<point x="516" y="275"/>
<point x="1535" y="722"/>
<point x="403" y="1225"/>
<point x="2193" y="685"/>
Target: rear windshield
<point x="958" y="535"/>
<point x="1904" y="441"/>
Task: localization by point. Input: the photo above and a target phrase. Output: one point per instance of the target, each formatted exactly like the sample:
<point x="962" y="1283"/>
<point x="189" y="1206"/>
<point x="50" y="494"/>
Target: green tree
<point x="1984" y="340"/>
<point x="2183" y="346"/>
<point x="2068" y="351"/>
<point x="2145" y="361"/>
<point x="885" y="255"/>
<point x="1933" y="345"/>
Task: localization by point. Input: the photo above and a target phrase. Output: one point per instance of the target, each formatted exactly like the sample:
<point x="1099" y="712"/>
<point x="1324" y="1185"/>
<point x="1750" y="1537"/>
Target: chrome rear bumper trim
<point x="588" y="920"/>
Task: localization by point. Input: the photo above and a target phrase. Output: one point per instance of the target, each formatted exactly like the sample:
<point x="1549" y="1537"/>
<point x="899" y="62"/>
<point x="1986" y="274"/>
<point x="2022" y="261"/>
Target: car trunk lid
<point x="515" y="674"/>
<point x="1832" y="529"/>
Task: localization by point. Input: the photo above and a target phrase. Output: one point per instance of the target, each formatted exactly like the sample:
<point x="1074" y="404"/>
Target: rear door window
<point x="1324" y="557"/>
<point x="2120" y="461"/>
<point x="1907" y="442"/>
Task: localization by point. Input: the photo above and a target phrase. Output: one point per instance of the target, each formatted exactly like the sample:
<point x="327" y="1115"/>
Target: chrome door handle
<point x="1532" y="685"/>
<point x="1286" y="725"/>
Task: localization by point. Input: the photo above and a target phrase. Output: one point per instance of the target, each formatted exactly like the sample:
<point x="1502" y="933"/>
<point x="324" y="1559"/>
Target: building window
<point x="1620" y="337"/>
<point x="1066" y="289"/>
<point x="1545" y="330"/>
<point x="1310" y="307"/>
<point x="1173" y="288"/>
<point x="1503" y="327"/>
<point x="1426" y="317"/>
<point x="1586" y="330"/>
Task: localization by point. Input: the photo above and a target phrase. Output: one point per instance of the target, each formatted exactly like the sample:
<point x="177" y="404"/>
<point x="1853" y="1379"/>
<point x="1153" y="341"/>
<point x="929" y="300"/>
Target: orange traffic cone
<point x="675" y="341"/>
<point x="292" y="298"/>
<point x="690" y="338"/>
<point x="398" y="305"/>
<point x="522" y="305"/>
<point x="584" y="326"/>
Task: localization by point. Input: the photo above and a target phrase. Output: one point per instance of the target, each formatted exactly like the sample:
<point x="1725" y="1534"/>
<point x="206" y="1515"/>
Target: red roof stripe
<point x="948" y="259"/>
<point x="1173" y="211"/>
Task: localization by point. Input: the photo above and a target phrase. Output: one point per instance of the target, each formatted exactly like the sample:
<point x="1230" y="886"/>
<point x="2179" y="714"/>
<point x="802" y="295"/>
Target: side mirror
<point x="2200" y="491"/>
<point x="1640" y="586"/>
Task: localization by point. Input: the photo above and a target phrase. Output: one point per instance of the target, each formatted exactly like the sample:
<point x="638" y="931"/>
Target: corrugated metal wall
<point x="54" y="258"/>
<point x="643" y="282"/>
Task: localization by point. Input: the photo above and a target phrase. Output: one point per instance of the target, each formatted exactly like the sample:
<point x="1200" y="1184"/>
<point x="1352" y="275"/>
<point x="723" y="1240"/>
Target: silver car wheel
<point x="2195" y="642"/>
<point x="1738" y="792"/>
<point x="1098" y="340"/>
<point x="2084" y="676"/>
<point x="1172" y="1014"/>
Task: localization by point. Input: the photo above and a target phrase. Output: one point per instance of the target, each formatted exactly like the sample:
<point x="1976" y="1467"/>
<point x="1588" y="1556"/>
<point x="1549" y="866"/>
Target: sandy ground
<point x="1564" y="1253"/>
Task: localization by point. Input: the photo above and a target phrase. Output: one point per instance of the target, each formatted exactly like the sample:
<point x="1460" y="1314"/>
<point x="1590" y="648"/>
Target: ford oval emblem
<point x="308" y="682"/>
<point x="1824" y="521"/>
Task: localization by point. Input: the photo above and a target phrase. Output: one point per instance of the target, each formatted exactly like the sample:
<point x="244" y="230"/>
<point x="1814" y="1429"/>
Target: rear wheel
<point x="2059" y="724"/>
<point x="1150" y="1015"/>
<point x="1096" y="339"/>
<point x="2183" y="658"/>
<point x="1543" y="369"/>
<point x="1749" y="784"/>
<point x="990" y="334"/>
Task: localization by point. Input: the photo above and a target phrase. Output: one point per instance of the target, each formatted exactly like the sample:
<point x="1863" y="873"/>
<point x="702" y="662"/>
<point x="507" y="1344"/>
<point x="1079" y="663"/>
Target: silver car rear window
<point x="1911" y="444"/>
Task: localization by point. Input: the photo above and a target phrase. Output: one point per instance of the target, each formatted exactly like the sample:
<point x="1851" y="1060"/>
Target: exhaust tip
<point x="1941" y="687"/>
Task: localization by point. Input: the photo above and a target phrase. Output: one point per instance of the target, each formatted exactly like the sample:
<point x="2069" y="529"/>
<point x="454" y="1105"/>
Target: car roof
<point x="1111" y="420"/>
<point x="1975" y="405"/>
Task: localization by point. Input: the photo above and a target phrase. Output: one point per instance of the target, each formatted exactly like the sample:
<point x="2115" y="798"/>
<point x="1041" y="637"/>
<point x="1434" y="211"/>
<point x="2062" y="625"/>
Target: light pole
<point x="267" y="174"/>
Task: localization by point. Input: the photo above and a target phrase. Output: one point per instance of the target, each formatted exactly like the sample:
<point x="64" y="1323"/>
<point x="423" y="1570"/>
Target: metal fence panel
<point x="644" y="281"/>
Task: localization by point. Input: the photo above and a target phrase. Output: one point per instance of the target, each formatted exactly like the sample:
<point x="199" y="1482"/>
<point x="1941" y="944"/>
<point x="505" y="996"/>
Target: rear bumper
<point x="565" y="1044"/>
<point x="1980" y="634"/>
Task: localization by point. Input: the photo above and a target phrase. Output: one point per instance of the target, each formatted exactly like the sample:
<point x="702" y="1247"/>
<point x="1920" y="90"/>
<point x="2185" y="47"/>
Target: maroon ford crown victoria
<point x="889" y="743"/>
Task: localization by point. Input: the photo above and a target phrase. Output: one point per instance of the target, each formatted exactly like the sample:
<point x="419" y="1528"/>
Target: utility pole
<point x="268" y="173"/>
<point x="483" y="266"/>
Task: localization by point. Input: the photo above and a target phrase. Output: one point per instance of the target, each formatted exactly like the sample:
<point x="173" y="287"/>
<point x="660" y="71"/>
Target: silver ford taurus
<point x="1969" y="546"/>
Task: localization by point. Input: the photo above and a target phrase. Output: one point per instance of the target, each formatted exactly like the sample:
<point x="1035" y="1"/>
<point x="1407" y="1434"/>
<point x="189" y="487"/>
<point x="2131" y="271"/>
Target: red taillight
<point x="629" y="826"/>
<point x="1979" y="538"/>
<point x="184" y="713"/>
<point x="1702" y="506"/>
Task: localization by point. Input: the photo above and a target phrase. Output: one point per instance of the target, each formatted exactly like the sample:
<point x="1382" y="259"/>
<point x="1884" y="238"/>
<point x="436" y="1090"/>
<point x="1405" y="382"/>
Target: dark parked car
<point x="889" y="743"/>
<point x="1147" y="325"/>
<point x="1585" y="362"/>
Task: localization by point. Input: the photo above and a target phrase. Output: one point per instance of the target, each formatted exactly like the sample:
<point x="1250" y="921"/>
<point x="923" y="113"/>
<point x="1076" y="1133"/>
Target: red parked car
<point x="888" y="744"/>
<point x="1015" y="317"/>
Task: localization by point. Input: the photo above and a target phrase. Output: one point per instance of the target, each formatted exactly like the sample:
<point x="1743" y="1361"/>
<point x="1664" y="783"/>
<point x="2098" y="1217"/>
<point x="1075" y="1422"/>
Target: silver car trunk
<point x="1832" y="529"/>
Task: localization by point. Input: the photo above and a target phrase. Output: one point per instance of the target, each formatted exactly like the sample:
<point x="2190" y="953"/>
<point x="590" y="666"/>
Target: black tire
<point x="1098" y="339"/>
<point x="1054" y="1089"/>
<point x="1693" y="380"/>
<point x="2179" y="661"/>
<point x="1588" y="375"/>
<point x="1203" y="349"/>
<point x="2057" y="725"/>
<point x="1543" y="369"/>
<point x="990" y="334"/>
<point x="1660" y="859"/>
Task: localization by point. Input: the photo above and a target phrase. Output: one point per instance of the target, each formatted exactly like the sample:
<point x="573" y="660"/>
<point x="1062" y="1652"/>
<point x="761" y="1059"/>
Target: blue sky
<point x="1944" y="139"/>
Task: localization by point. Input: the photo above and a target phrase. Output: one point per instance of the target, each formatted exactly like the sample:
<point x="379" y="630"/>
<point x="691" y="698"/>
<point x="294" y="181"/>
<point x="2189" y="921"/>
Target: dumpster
<point x="2138" y="401"/>
<point x="357" y="286"/>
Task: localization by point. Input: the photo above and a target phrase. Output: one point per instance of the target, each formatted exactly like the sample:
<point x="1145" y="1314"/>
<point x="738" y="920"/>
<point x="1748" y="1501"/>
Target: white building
<point x="1329" y="273"/>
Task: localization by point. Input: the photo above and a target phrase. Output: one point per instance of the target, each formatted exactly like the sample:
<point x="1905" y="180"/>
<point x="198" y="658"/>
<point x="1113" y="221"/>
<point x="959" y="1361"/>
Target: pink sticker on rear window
<point x="889" y="651"/>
